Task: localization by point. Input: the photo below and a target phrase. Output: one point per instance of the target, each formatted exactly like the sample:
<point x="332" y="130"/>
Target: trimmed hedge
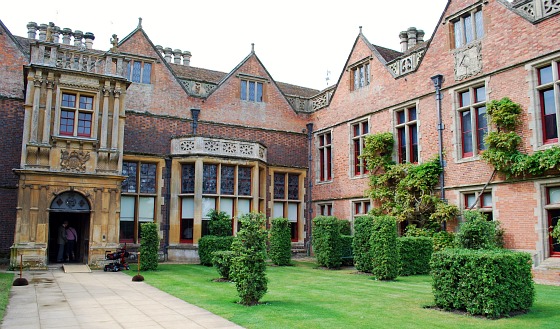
<point x="209" y="244"/>
<point x="249" y="259"/>
<point x="280" y="252"/>
<point x="222" y="262"/>
<point x="149" y="246"/>
<point x="478" y="233"/>
<point x="492" y="283"/>
<point x="443" y="240"/>
<point x="346" y="250"/>
<point x="327" y="242"/>
<point x="415" y="254"/>
<point x="219" y="224"/>
<point x="383" y="243"/>
<point x="360" y="243"/>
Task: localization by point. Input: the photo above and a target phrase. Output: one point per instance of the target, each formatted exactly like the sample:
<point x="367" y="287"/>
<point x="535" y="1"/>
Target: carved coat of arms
<point x="73" y="161"/>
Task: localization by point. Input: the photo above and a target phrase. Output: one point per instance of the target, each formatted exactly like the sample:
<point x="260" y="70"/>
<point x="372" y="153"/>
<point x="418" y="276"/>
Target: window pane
<point x="356" y="79"/>
<point x="129" y="183"/>
<point x="362" y="81"/>
<point x="365" y="128"/>
<point x="244" y="181"/>
<point x="467" y="132"/>
<point x="293" y="187"/>
<point x="187" y="184"/>
<point x="465" y="98"/>
<point x="402" y="145"/>
<point x="207" y="205"/>
<point x="470" y="200"/>
<point x="367" y="74"/>
<point x="414" y="143"/>
<point x="554" y="195"/>
<point x="252" y="91"/>
<point x="187" y="229"/>
<point x="148" y="177"/>
<point x="458" y="31"/>
<point x="147" y="74"/>
<point x="479" y="26"/>
<point x="226" y="205"/>
<point x="356" y="129"/>
<point x="412" y="114"/>
<point x="68" y="100"/>
<point x="227" y="180"/>
<point x="545" y="75"/>
<point x="66" y="122"/>
<point x="292" y="212"/>
<point x="210" y="177"/>
<point x="244" y="90"/>
<point x="400" y="117"/>
<point x="187" y="208"/>
<point x="480" y="94"/>
<point x="146" y="209"/>
<point x="482" y="128"/>
<point x="84" y="124"/>
<point x="127" y="208"/>
<point x="279" y="186"/>
<point x="549" y="112"/>
<point x="243" y="207"/>
<point x="259" y="92"/>
<point x="487" y="200"/>
<point x="278" y="209"/>
<point x="468" y="29"/>
<point x="136" y="71"/>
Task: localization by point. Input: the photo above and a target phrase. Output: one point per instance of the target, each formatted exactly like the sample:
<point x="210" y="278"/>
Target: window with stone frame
<point x="407" y="135"/>
<point x="467" y="27"/>
<point x="76" y="114"/>
<point x="358" y="132"/>
<point x="472" y="120"/>
<point x="139" y="71"/>
<point x="288" y="200"/>
<point x="325" y="209"/>
<point x="360" y="208"/>
<point x="225" y="187"/>
<point x="252" y="91"/>
<point x="552" y="207"/>
<point x="325" y="156"/>
<point x="482" y="203"/>
<point x="360" y="75"/>
<point x="138" y="198"/>
<point x="548" y="95"/>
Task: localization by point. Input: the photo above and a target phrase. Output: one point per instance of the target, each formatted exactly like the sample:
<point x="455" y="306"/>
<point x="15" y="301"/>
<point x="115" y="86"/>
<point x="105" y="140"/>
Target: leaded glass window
<point x="209" y="179"/>
<point x="148" y="178"/>
<point x="129" y="183"/>
<point x="293" y="187"/>
<point x="244" y="181"/>
<point x="279" y="186"/>
<point x="188" y="177"/>
<point x="227" y="180"/>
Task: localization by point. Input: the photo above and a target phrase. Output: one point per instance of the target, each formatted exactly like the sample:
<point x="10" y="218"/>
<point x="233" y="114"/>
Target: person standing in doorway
<point x="72" y="238"/>
<point x="61" y="240"/>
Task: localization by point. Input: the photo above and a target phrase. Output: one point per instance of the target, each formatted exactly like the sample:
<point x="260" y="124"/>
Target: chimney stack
<point x="66" y="35"/>
<point x="187" y="58"/>
<point x="411" y="37"/>
<point x="167" y="51"/>
<point x="78" y="35"/>
<point x="31" y="30"/>
<point x="420" y="36"/>
<point x="89" y="37"/>
<point x="404" y="41"/>
<point x="43" y="32"/>
<point x="177" y="56"/>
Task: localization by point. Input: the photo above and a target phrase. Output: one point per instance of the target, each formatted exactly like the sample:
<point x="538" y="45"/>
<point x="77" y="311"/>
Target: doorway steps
<point x="548" y="272"/>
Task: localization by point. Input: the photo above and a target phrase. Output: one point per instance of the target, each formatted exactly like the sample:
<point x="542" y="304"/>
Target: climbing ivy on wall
<point x="502" y="152"/>
<point x="405" y="191"/>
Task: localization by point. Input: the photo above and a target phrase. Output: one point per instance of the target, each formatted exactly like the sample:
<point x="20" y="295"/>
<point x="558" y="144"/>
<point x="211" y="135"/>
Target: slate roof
<point x="386" y="53"/>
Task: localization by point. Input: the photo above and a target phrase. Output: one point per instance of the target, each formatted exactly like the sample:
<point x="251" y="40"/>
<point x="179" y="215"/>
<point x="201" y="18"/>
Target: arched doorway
<point x="72" y="207"/>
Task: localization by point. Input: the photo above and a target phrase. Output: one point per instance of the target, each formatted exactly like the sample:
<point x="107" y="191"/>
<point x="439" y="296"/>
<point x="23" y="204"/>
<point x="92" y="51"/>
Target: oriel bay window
<point x="549" y="100"/>
<point x="288" y="199"/>
<point x="76" y="113"/>
<point x="407" y="135"/>
<point x="225" y="187"/>
<point x="138" y="196"/>
<point x="473" y="120"/>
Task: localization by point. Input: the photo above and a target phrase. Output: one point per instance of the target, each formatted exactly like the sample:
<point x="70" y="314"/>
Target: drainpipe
<point x="438" y="80"/>
<point x="309" y="187"/>
<point x="195" y="113"/>
<point x="167" y="200"/>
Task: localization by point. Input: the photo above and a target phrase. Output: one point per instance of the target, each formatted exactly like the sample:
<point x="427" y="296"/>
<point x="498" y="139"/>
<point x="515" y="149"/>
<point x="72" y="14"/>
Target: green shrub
<point x="412" y="230"/>
<point x="478" y="233"/>
<point x="443" y="240"/>
<point x="149" y="247"/>
<point x="249" y="257"/>
<point x="219" y="224"/>
<point x="327" y="241"/>
<point x="345" y="227"/>
<point x="280" y="252"/>
<point x="360" y="243"/>
<point x="346" y="250"/>
<point x="209" y="244"/>
<point x="414" y="255"/>
<point x="222" y="262"/>
<point x="383" y="243"/>
<point x="492" y="283"/>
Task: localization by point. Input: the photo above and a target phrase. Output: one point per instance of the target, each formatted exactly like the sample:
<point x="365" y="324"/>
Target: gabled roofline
<point x="14" y="40"/>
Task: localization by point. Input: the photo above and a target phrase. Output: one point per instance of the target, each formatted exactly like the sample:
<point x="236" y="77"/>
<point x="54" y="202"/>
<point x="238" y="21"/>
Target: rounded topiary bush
<point x="280" y="252"/>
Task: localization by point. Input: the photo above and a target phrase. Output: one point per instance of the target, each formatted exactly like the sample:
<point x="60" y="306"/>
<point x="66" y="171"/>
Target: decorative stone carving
<point x="468" y="61"/>
<point x="195" y="88"/>
<point x="186" y="145"/>
<point x="73" y="161"/>
<point x="534" y="10"/>
<point x="211" y="145"/>
<point x="218" y="147"/>
<point x="230" y="148"/>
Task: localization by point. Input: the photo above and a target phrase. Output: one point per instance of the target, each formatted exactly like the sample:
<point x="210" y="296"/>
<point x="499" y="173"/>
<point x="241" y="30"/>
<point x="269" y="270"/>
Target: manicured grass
<point x="6" y="280"/>
<point x="303" y="296"/>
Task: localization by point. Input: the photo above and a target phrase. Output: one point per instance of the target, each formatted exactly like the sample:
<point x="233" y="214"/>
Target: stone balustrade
<point x="218" y="147"/>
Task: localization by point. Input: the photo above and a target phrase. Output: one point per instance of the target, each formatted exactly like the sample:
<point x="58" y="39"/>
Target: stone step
<point x="546" y="276"/>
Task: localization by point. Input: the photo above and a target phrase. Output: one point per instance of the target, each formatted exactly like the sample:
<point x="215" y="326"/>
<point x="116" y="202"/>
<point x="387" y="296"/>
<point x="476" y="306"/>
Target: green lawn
<point x="302" y="296"/>
<point x="6" y="280"/>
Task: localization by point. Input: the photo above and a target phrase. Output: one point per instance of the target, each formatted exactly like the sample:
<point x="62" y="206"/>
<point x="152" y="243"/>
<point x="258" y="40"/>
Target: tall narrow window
<point x="251" y="91"/>
<point x="72" y="107"/>
<point x="473" y="120"/>
<point x="288" y="201"/>
<point x="359" y="132"/>
<point x="468" y="28"/>
<point x="407" y="135"/>
<point x="139" y="191"/>
<point x="549" y="99"/>
<point x="325" y="157"/>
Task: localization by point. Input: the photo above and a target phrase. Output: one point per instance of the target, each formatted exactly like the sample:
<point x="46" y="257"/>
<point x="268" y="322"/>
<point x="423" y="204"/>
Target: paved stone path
<point x="54" y="299"/>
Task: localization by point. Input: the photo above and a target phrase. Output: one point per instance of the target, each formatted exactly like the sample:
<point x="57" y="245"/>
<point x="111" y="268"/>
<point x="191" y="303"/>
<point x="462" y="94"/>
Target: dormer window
<point x="139" y="72"/>
<point x="360" y="76"/>
<point x="251" y="91"/>
<point x="468" y="27"/>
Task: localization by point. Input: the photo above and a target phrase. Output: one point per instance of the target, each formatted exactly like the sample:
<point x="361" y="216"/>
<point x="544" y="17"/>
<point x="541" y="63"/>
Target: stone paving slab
<point x="54" y="299"/>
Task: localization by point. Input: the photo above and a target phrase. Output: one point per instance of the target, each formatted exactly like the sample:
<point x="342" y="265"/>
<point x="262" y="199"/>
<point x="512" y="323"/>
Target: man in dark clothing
<point x="61" y="240"/>
<point x="72" y="237"/>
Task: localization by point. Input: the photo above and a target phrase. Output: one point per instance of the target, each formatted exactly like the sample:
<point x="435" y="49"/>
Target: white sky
<point x="298" y="41"/>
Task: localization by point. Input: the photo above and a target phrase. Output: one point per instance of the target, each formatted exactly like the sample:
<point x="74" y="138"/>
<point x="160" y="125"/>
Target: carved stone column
<point x="116" y="115"/>
<point x="48" y="110"/>
<point x="37" y="83"/>
<point x="105" y="114"/>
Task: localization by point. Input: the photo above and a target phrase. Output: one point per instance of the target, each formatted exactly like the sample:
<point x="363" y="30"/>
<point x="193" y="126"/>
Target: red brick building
<point x="137" y="134"/>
